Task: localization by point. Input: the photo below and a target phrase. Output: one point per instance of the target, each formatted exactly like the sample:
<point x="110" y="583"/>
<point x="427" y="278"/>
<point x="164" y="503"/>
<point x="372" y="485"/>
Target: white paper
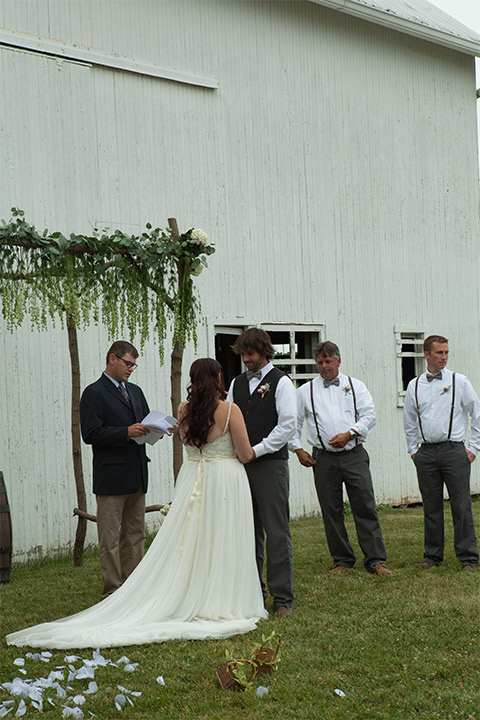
<point x="158" y="423"/>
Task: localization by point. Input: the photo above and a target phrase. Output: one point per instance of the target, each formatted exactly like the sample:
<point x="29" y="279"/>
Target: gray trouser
<point x="438" y="464"/>
<point x="270" y="486"/>
<point x="331" y="471"/>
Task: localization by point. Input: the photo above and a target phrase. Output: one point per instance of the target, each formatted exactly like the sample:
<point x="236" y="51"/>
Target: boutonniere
<point x="263" y="389"/>
<point x="347" y="389"/>
<point x="445" y="389"/>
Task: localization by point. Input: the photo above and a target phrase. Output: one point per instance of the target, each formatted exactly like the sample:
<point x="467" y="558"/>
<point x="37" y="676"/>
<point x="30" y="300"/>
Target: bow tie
<point x="251" y="374"/>
<point x="434" y="376"/>
<point x="327" y="383"/>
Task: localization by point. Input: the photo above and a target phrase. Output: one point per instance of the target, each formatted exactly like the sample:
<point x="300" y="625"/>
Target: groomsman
<point x="340" y="415"/>
<point x="266" y="397"/>
<point x="438" y="404"/>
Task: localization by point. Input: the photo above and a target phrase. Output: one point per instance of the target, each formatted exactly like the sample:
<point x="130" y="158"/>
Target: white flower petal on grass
<point x="98" y="658"/>
<point x="340" y="692"/>
<point x="261" y="691"/>
<point x="120" y="701"/>
<point x="123" y="660"/>
<point x="38" y="704"/>
<point x="22" y="709"/>
<point x="33" y="656"/>
<point x="55" y="675"/>
<point x="79" y="699"/>
<point x="71" y="658"/>
<point x="75" y="712"/>
<point x="51" y="701"/>
<point x="92" y="688"/>
<point x="160" y="680"/>
<point x="85" y="672"/>
<point x="4" y="710"/>
<point x="131" y="667"/>
<point x="136" y="693"/>
<point x="46" y="654"/>
<point x="20" y="662"/>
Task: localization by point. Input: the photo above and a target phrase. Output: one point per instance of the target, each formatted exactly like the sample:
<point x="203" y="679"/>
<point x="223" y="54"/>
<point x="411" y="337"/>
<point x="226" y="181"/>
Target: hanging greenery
<point x="128" y="282"/>
<point x="134" y="284"/>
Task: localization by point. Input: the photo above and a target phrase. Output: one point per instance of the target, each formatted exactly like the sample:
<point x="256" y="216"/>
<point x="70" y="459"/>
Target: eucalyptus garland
<point x="131" y="283"/>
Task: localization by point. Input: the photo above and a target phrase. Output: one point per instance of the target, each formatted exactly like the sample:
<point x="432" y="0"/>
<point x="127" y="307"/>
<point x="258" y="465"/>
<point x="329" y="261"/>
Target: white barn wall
<point x="331" y="161"/>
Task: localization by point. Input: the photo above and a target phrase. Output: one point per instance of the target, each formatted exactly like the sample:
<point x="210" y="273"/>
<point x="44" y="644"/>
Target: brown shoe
<point x="469" y="567"/>
<point x="336" y="570"/>
<point x="381" y="570"/>
<point x="283" y="611"/>
<point x="427" y="565"/>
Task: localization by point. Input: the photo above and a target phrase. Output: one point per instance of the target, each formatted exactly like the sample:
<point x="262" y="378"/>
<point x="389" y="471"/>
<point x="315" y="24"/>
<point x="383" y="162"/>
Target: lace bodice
<point x="222" y="447"/>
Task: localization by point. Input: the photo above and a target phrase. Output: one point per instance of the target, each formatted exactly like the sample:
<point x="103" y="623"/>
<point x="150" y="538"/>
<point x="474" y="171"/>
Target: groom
<point x="110" y="413"/>
<point x="267" y="399"/>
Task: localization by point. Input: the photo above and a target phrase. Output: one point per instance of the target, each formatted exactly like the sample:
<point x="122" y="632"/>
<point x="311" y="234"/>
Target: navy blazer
<point x="119" y="463"/>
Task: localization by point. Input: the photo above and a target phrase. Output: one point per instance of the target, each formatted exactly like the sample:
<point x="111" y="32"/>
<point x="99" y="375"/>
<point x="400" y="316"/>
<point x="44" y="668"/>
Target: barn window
<point x="410" y="359"/>
<point x="294" y="345"/>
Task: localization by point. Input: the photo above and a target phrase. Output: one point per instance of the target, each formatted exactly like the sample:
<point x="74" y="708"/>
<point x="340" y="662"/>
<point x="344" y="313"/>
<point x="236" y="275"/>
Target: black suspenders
<point x="452" y="409"/>
<point x="315" y="415"/>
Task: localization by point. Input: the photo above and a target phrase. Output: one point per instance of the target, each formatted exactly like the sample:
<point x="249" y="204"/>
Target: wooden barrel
<point x="5" y="535"/>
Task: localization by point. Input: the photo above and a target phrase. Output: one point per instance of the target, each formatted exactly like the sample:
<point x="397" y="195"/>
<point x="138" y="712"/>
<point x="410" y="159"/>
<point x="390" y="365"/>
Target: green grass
<point x="403" y="647"/>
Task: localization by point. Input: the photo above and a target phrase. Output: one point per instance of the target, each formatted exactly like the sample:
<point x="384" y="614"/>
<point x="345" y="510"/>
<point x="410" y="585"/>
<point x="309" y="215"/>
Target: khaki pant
<point x="121" y="536"/>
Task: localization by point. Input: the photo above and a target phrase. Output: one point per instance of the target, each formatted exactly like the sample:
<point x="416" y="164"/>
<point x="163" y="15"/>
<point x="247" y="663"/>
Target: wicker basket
<point x="227" y="679"/>
<point x="266" y="656"/>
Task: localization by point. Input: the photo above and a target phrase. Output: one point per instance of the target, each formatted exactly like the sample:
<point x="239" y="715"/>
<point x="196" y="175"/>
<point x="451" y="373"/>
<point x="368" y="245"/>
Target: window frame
<point x="411" y="336"/>
<point x="293" y="362"/>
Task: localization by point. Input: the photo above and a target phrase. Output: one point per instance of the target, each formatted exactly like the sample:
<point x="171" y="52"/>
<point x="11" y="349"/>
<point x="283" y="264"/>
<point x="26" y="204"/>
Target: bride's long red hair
<point x="205" y="391"/>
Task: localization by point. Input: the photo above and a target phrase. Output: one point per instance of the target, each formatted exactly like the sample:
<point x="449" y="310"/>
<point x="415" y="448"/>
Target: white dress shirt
<point x="435" y="404"/>
<point x="335" y="412"/>
<point x="286" y="407"/>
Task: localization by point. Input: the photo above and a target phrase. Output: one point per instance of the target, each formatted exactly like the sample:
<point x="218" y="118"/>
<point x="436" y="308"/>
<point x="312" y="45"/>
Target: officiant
<point x="110" y="413"/>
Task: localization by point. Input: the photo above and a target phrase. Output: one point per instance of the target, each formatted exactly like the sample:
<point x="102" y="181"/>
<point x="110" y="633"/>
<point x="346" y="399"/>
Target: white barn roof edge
<point x="415" y="17"/>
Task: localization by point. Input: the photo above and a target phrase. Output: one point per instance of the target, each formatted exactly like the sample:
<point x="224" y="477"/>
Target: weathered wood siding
<point x="335" y="168"/>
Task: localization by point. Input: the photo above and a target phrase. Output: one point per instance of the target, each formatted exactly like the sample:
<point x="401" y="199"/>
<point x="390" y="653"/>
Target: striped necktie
<point x="121" y="387"/>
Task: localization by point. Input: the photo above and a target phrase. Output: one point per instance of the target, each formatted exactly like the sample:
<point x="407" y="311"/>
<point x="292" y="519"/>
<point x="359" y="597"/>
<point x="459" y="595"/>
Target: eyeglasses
<point x="130" y="365"/>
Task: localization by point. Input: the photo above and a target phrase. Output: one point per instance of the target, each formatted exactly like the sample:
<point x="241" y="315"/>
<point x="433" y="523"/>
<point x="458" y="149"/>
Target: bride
<point x="199" y="578"/>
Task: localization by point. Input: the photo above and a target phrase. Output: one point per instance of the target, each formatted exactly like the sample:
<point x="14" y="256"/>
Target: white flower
<point x="200" y="236"/>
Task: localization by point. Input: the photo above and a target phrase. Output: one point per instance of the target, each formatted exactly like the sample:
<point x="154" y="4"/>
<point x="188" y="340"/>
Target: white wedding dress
<point x="198" y="579"/>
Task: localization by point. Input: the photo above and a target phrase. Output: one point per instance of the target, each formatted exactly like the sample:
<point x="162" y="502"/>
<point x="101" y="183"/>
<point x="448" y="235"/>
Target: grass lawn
<point x="403" y="647"/>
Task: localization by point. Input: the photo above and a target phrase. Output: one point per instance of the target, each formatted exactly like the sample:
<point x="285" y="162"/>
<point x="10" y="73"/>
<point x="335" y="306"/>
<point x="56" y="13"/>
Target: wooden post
<point x="176" y="360"/>
<point x="76" y="442"/>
